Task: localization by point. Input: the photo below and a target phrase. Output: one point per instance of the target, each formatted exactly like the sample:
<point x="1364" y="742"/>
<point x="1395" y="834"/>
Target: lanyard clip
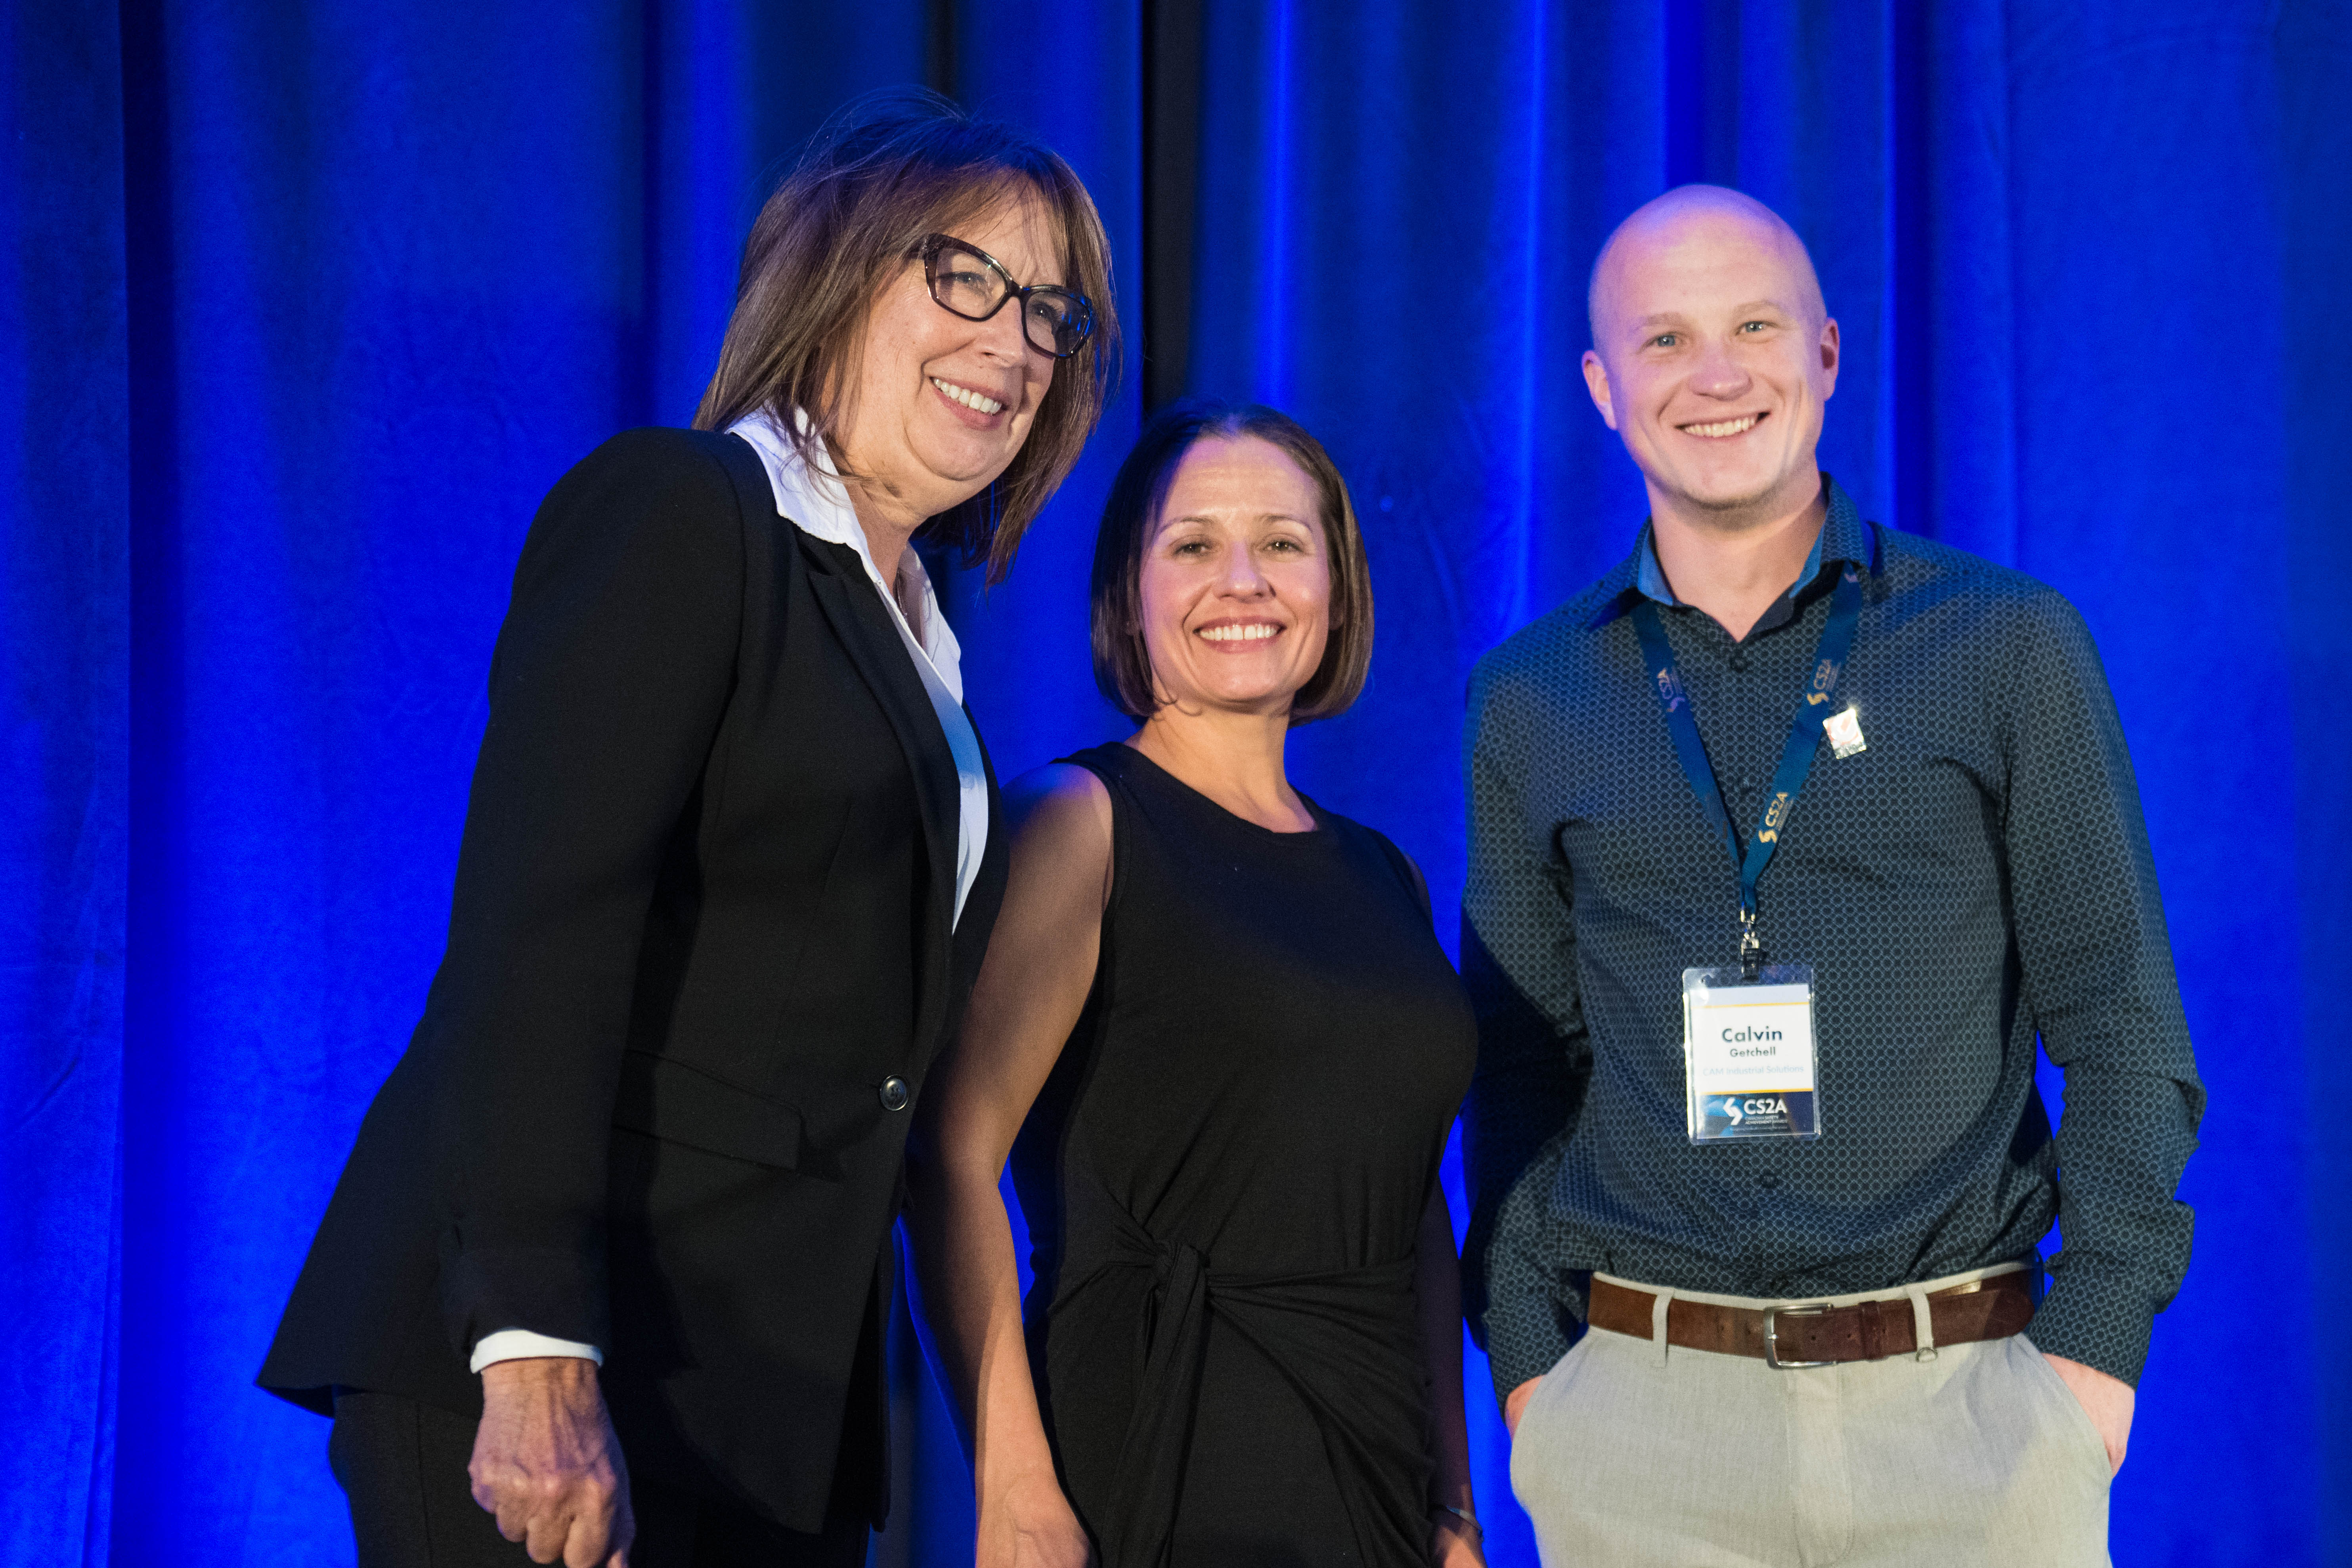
<point x="1751" y="950"/>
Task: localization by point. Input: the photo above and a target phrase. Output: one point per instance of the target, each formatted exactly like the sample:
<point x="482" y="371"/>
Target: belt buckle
<point x="1772" y="1335"/>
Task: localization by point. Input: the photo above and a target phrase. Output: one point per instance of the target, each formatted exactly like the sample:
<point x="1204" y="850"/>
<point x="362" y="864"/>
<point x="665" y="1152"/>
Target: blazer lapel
<point x="987" y="895"/>
<point x="862" y="623"/>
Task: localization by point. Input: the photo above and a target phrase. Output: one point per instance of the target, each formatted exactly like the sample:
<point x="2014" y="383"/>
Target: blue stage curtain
<point x="2084" y="256"/>
<point x="307" y="304"/>
<point x="65" y="679"/>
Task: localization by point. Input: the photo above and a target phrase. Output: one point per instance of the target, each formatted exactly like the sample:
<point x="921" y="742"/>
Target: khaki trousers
<point x="1631" y="1453"/>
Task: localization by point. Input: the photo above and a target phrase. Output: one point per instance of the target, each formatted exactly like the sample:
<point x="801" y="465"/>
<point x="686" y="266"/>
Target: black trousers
<point x="402" y="1465"/>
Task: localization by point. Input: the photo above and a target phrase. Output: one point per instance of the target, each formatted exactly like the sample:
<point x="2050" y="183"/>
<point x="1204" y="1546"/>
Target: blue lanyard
<point x="1796" y="756"/>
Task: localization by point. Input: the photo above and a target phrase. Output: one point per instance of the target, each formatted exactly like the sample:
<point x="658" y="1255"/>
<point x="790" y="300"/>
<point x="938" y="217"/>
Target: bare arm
<point x="1437" y="1283"/>
<point x="1031" y="987"/>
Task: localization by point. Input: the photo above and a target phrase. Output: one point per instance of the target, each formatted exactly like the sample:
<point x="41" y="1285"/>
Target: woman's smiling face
<point x="941" y="404"/>
<point x="1236" y="585"/>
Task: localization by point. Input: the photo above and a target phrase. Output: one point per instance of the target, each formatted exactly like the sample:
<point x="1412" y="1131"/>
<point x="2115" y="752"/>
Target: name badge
<point x="1747" y="1054"/>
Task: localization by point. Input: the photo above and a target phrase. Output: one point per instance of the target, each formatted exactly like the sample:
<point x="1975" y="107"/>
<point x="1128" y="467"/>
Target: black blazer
<point x="701" y="922"/>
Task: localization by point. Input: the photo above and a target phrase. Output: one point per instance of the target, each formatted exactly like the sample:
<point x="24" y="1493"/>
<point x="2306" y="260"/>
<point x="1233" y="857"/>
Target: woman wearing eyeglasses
<point x="609" y="1260"/>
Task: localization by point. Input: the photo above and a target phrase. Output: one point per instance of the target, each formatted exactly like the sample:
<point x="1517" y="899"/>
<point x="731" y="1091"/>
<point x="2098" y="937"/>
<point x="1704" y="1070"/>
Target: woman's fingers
<point x="589" y="1540"/>
<point x="546" y="1464"/>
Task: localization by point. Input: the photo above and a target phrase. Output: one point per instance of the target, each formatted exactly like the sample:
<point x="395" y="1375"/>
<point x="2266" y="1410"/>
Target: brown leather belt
<point x="1803" y="1335"/>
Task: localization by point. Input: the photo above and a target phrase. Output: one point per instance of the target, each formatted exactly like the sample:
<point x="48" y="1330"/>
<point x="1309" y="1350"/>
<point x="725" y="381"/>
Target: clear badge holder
<point x="1749" y="1064"/>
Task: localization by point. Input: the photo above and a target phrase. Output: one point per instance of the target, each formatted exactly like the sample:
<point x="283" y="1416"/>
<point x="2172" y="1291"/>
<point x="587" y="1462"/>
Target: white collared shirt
<point x="816" y="502"/>
<point x="818" y="505"/>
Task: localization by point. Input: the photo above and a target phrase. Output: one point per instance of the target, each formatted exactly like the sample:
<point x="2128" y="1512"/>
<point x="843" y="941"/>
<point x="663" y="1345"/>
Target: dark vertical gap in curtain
<point x="1172" y="143"/>
<point x="2013" y="267"/>
<point x="1910" y="115"/>
<point x="1721" y="144"/>
<point x="940" y="46"/>
<point x="640" y="378"/>
<point x="146" y="1434"/>
<point x="1684" y="89"/>
<point x="891" y="1549"/>
<point x="1701" y="91"/>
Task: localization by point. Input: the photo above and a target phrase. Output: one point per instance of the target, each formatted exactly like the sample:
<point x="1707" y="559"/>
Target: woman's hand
<point x="546" y="1464"/>
<point x="1455" y="1543"/>
<point x="1030" y="1524"/>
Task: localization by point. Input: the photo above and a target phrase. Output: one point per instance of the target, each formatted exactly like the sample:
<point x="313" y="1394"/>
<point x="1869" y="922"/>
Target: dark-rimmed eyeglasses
<point x="969" y="282"/>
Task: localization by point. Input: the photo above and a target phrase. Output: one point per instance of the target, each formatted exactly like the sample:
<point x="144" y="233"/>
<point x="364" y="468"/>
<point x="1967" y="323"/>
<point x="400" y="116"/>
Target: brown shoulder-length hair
<point x="882" y="175"/>
<point x="1122" y="663"/>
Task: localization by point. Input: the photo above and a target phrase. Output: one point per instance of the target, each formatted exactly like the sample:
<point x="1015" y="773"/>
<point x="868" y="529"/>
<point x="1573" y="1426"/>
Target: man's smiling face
<point x="1713" y="354"/>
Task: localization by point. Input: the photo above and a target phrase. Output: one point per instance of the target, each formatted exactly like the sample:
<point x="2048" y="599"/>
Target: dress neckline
<point x="1321" y="829"/>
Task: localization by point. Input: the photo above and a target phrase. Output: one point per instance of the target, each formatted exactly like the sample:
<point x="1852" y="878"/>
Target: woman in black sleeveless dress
<point x="1222" y="1048"/>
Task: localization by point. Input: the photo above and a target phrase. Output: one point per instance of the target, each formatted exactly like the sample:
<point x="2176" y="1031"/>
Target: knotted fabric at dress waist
<point x="1347" y="1342"/>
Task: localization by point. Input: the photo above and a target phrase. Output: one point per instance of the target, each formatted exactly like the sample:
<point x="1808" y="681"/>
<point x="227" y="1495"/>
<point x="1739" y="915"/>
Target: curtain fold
<point x="65" y="554"/>
<point x="2313" y="52"/>
<point x="305" y="306"/>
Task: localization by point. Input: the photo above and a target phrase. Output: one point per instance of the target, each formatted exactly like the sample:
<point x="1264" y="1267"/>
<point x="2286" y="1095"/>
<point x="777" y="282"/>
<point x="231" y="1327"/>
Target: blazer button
<point x="894" y="1093"/>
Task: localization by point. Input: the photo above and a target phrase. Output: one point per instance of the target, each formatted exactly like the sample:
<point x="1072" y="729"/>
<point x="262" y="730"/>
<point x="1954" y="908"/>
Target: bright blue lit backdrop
<point x="305" y="306"/>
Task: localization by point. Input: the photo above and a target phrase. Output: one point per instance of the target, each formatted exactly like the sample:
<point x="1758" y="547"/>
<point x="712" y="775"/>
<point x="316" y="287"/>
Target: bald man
<point x="1789" y="838"/>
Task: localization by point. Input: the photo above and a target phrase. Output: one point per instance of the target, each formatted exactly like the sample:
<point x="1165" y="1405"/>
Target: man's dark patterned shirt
<point x="1978" y="876"/>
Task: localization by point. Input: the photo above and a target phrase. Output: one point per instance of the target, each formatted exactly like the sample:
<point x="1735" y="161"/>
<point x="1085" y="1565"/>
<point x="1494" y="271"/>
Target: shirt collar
<point x="1844" y="537"/>
<point x="811" y="497"/>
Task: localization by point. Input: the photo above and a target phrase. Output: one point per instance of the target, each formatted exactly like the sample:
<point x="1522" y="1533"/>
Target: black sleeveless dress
<point x="1225" y="1178"/>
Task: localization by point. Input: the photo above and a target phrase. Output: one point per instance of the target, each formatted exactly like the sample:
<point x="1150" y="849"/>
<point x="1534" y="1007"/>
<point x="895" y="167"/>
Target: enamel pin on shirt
<point x="1844" y="731"/>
